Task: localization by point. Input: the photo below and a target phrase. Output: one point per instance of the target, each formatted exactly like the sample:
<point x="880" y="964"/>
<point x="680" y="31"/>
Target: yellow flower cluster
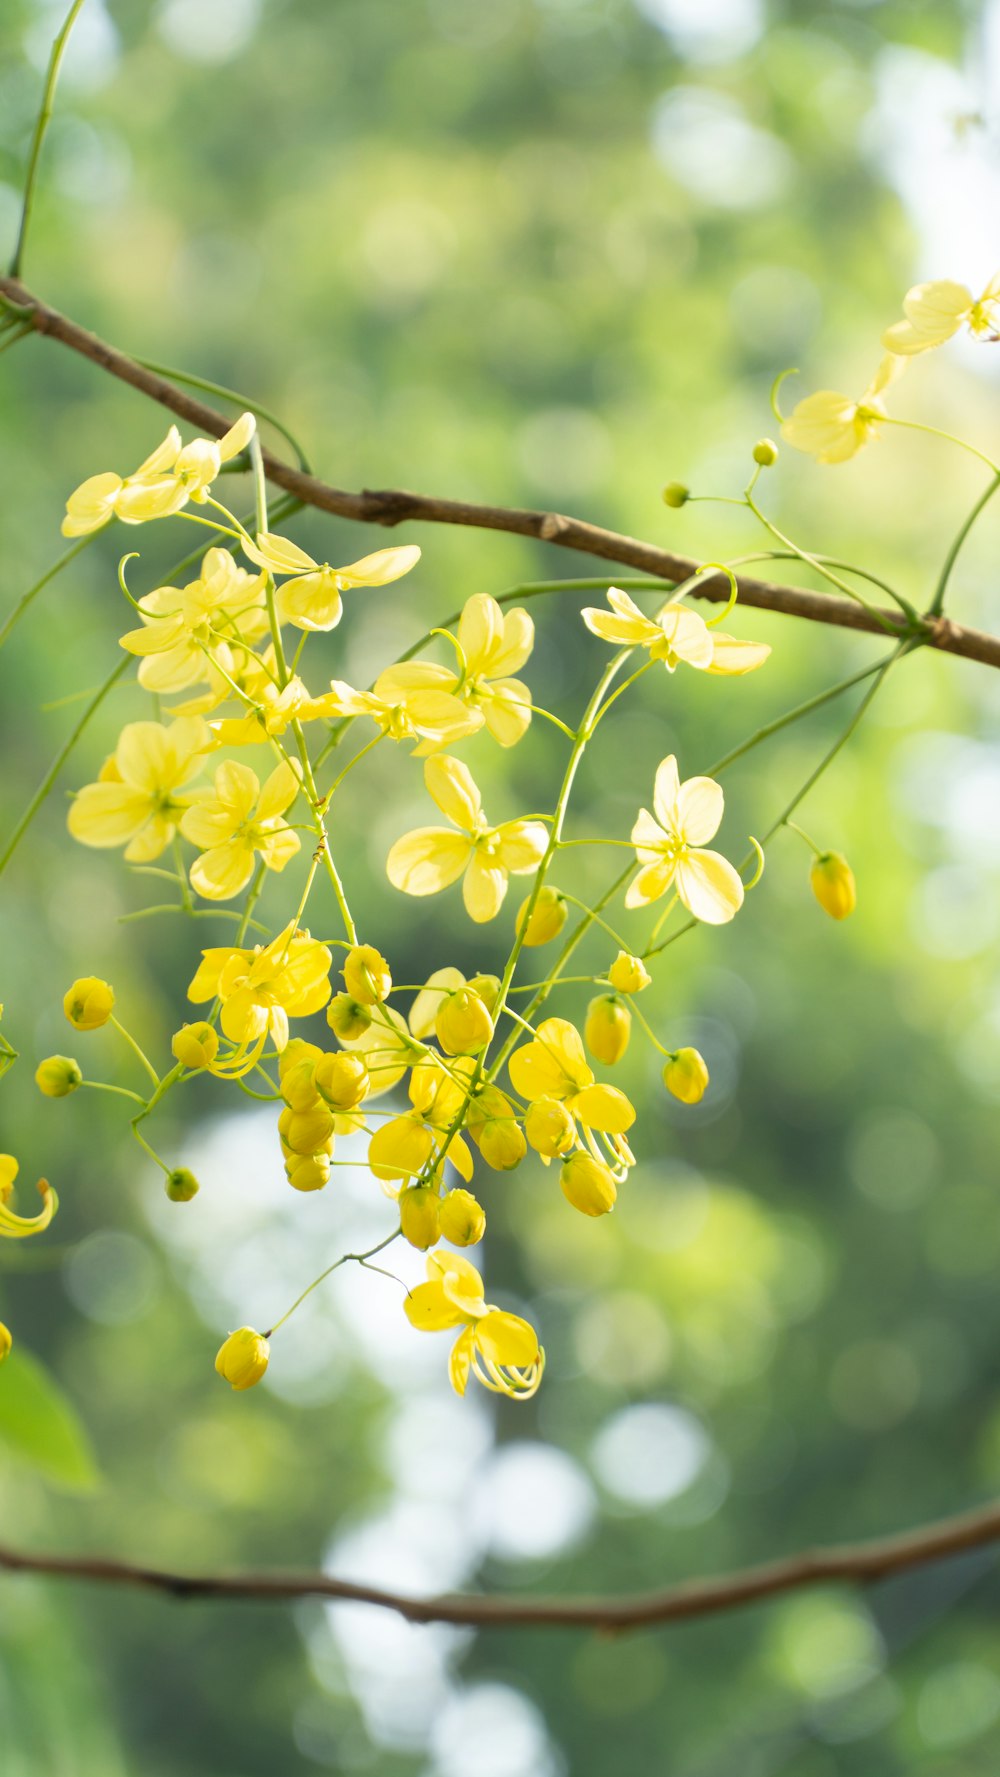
<point x="445" y="1081"/>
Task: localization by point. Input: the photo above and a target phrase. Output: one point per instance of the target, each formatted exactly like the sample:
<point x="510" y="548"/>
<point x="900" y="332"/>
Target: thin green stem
<point x="936" y="605"/>
<point x="139" y="1053"/>
<point x="28" y="597"/>
<point x="234" y="395"/>
<point x="794" y="715"/>
<point x="119" y="1091"/>
<point x="345" y="1259"/>
<point x="38" y="137"/>
<point x="57" y="764"/>
<point x="816" y="563"/>
<point x="885" y="419"/>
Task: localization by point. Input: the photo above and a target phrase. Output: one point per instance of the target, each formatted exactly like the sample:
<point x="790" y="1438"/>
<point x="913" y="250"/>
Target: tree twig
<point x="394" y="506"/>
<point x="846" y="1563"/>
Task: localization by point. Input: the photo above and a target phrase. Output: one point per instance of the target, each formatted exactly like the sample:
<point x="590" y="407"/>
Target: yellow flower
<point x="628" y="974"/>
<point x="494" y="644"/>
<point x="89" y="1003"/>
<point x="242" y="1358"/>
<point x="832" y="881"/>
<point x="342" y="1081"/>
<point x="548" y="916"/>
<point x="676" y="634"/>
<point x="161" y="485"/>
<point x="195" y="1045"/>
<point x="58" y="1075"/>
<point x="6" y="1341"/>
<point x="271" y="710"/>
<point x="140" y="797"/>
<point x="431" y="858"/>
<point x="261" y="989"/>
<point x="461" y="1218"/>
<point x="686" y="1076"/>
<point x="366" y="975"/>
<point x="407" y="1145"/>
<point x="588" y="1185"/>
<point x="408" y="702"/>
<point x="235" y="822"/>
<point x="608" y="1028"/>
<point x="831" y="427"/>
<point x="419" y="1216"/>
<point x="310" y="597"/>
<point x="669" y="848"/>
<point x="935" y="312"/>
<point x="501" y="1350"/>
<point x="225" y="605"/>
<point x="553" y="1066"/>
<point x="454" y="1010"/>
<point x="383" y="1042"/>
<point x="549" y="1128"/>
<point x="15" y="1227"/>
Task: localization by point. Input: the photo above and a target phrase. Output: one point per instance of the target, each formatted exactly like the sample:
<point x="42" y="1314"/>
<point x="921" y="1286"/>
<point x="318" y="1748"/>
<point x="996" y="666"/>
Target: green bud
<point x="181" y="1185"/>
<point x="676" y="495"/>
<point x="765" y="452"/>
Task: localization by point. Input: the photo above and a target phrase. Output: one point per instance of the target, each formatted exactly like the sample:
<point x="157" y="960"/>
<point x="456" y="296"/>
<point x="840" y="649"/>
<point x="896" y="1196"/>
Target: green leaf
<point x="39" y="1424"/>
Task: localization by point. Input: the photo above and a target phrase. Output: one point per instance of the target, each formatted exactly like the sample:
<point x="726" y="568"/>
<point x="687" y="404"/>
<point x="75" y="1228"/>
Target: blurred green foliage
<point x="548" y="252"/>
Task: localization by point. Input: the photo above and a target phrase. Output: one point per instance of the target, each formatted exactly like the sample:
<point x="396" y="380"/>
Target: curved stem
<point x="41" y="125"/>
<point x="936" y="605"/>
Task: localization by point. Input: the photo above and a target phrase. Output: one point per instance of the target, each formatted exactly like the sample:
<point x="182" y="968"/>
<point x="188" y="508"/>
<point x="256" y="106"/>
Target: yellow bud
<point x="366" y="975"/>
<point x="307" y="1132"/>
<point x="548" y="917"/>
<point x="195" y="1045"/>
<point x="628" y="974"/>
<point x="833" y="884"/>
<point x="346" y="1018"/>
<point x="298" y="1086"/>
<point x="462" y="1218"/>
<point x="675" y="494"/>
<point x="608" y="1028"/>
<point x="58" y="1076"/>
<point x="549" y="1127"/>
<point x="308" y="1172"/>
<point x="342" y="1080"/>
<point x="181" y="1185"/>
<point x="686" y="1076"/>
<point x="588" y="1185"/>
<point x="462" y="1024"/>
<point x="488" y="1104"/>
<point x="488" y="989"/>
<point x="502" y="1144"/>
<point x="419" y="1216"/>
<point x="5" y="1341"/>
<point x="89" y="1003"/>
<point x="295" y="1051"/>
<point x="242" y="1359"/>
<point x="765" y="452"/>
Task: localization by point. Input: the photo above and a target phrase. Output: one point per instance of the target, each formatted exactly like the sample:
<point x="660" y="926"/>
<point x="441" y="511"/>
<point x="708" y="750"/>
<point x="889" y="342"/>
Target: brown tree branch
<point x="852" y="1563"/>
<point x="393" y="506"/>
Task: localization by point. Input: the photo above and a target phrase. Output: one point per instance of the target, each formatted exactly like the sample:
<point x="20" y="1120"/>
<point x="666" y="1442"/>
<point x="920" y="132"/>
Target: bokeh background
<point x="548" y="252"/>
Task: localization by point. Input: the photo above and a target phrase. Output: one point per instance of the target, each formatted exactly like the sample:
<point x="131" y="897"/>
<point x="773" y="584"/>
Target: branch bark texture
<point x="395" y="506"/>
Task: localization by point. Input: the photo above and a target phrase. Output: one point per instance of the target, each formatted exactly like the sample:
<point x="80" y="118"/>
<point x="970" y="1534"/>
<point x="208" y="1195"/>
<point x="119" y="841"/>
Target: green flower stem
<point x="826" y="561"/>
<point x="139" y="1053"/>
<point x="596" y="918"/>
<point x="38" y="138"/>
<point x="647" y="1027"/>
<point x="816" y="562"/>
<point x="189" y="913"/>
<point x="153" y="1155"/>
<point x="885" y="419"/>
<point x="28" y="597"/>
<point x="841" y="741"/>
<point x="239" y="400"/>
<point x="57" y="764"/>
<point x="936" y="605"/>
<point x="794" y="715"/>
<point x="345" y="1259"/>
<point x="119" y="1091"/>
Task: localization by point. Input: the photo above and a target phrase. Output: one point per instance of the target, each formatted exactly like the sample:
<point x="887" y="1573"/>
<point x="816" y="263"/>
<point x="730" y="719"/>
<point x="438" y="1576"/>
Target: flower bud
<point x="346" y="1018"/>
<point x="549" y="1127"/>
<point x="833" y="884"/>
<point x="588" y="1185"/>
<point x="419" y="1216"/>
<point x="366" y="975"/>
<point x="89" y="1003"/>
<point x="307" y="1132"/>
<point x="342" y="1080"/>
<point x="502" y="1143"/>
<point x="5" y="1341"/>
<point x="462" y="1218"/>
<point x="488" y="1104"/>
<point x="765" y="452"/>
<point x="488" y="989"/>
<point x="195" y="1045"/>
<point x="181" y="1185"/>
<point x="608" y="1028"/>
<point x="58" y="1076"/>
<point x="242" y="1359"/>
<point x="628" y="974"/>
<point x="686" y="1076"/>
<point x="548" y="917"/>
<point x="298" y="1086"/>
<point x="462" y="1024"/>
<point x="675" y="494"/>
<point x="308" y="1172"/>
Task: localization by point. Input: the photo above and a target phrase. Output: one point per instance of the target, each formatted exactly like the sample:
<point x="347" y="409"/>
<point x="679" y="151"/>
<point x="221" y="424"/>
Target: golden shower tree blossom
<point x="174" y="474"/>
<point x="935" y="312"/>
<point x="431" y="858"/>
<point x="832" y="427"/>
<point x="670" y="848"/>
<point x="142" y="791"/>
<point x="183" y="629"/>
<point x="674" y="635"/>
<point x="310" y="596"/>
<point x="234" y="822"/>
<point x="501" y="1350"/>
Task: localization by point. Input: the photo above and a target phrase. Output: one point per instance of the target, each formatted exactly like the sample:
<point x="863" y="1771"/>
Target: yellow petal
<point x="521" y="845"/>
<point x="484" y="888"/>
<point x="427" y="860"/>
<point x="604" y="1108"/>
<point x="454" y="790"/>
<point x="507" y="1339"/>
<point x="709" y="887"/>
<point x="732" y="655"/>
<point x="108" y="814"/>
<point x="381" y="567"/>
<point x="699" y="809"/>
<point x="279" y="555"/>
<point x="652" y="881"/>
<point x="223" y="871"/>
<point x="279" y="791"/>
